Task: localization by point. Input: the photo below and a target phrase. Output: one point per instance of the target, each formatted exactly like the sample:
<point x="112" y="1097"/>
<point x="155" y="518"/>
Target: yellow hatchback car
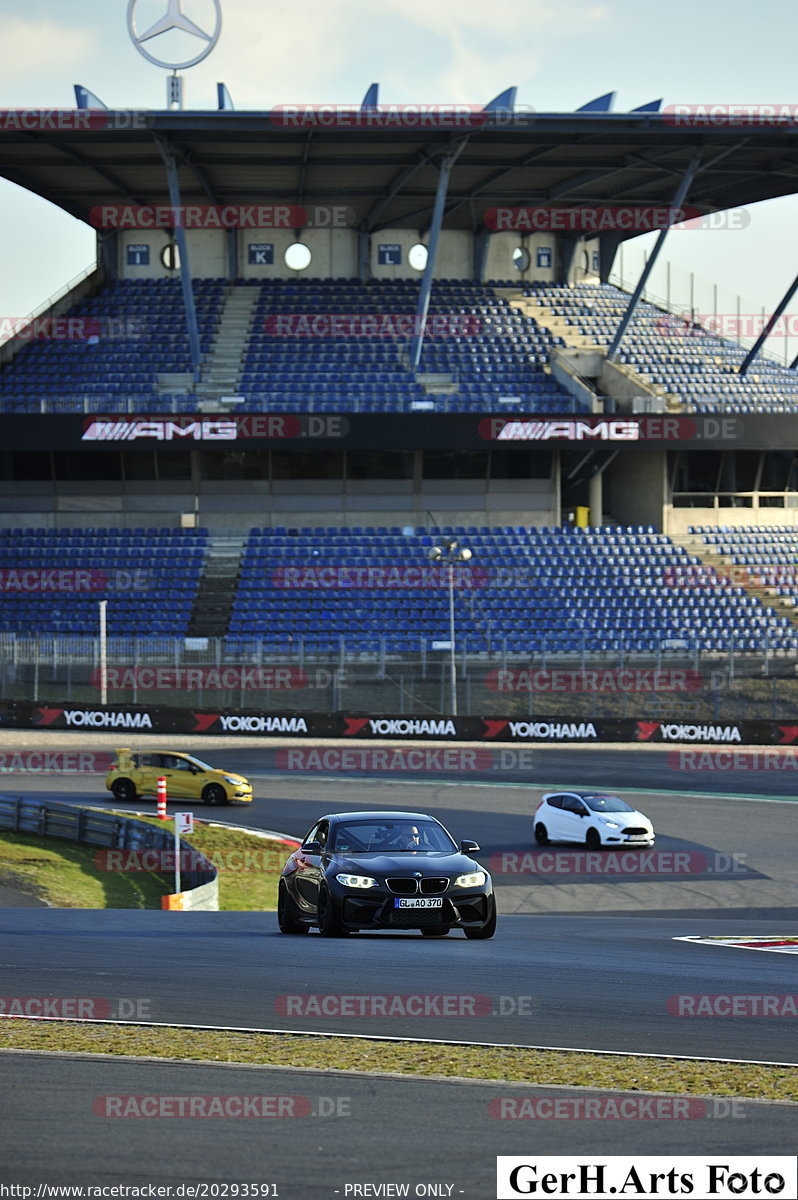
<point x="187" y="778"/>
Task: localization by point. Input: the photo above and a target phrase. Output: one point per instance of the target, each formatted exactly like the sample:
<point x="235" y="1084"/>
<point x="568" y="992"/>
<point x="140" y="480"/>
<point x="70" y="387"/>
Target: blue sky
<point x="559" y="54"/>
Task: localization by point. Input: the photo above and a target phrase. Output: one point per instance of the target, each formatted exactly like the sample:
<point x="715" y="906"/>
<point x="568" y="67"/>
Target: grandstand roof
<point x="389" y="175"/>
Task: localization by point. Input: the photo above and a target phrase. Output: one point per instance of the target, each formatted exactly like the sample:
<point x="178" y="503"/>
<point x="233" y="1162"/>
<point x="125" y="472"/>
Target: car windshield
<point x="607" y="804"/>
<point x="199" y="763"/>
<point x="391" y="836"/>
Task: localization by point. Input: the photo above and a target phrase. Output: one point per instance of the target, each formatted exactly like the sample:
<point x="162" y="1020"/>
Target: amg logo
<point x="572" y="431"/>
<point x="161" y="430"/>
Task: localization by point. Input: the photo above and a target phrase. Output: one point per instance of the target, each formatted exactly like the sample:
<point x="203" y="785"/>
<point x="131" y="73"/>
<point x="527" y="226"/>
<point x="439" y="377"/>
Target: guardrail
<point x="45" y="819"/>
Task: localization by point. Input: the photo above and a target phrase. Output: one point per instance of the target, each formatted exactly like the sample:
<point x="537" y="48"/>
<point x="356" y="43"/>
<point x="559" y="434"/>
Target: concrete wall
<point x="499" y="258"/>
<point x="635" y="488"/>
<point x="235" y="506"/>
<point x="335" y="254"/>
<point x="678" y="520"/>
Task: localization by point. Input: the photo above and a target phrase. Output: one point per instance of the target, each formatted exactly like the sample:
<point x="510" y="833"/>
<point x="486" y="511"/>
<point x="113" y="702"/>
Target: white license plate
<point x="420" y="902"/>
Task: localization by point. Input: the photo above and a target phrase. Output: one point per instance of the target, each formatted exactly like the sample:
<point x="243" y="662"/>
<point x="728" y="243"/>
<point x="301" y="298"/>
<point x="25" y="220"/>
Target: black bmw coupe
<point x="384" y="870"/>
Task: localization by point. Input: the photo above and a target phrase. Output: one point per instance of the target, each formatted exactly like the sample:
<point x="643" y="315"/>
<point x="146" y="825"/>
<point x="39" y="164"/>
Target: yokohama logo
<point x="672" y="732"/>
<point x="161" y="430"/>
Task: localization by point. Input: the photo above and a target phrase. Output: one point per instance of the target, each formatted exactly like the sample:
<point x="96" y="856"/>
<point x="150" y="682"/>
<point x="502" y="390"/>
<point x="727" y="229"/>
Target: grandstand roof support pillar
<point x="232" y="255"/>
<point x="363" y="247"/>
<point x="596" y="499"/>
<point x="449" y="160"/>
<point x="677" y="202"/>
<point x="765" y="334"/>
<point x="481" y="240"/>
<point x="565" y="259"/>
<point x="185" y="270"/>
<point x="108" y="253"/>
<point x="608" y="248"/>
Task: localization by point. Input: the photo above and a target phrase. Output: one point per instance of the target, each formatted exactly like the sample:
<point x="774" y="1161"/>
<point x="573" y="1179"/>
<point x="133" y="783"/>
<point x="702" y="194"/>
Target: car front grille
<point x="432" y="886"/>
<point x="402" y="887"/>
<point x="635" y="831"/>
<point x="413" y="918"/>
<point x="428" y="886"/>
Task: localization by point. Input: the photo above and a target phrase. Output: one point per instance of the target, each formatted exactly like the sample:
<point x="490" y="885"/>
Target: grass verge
<point x="249" y="866"/>
<point x="66" y="875"/>
<point x="511" y="1065"/>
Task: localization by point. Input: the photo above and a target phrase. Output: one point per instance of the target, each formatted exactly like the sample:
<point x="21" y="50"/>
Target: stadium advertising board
<point x="136" y="718"/>
<point x="403" y="431"/>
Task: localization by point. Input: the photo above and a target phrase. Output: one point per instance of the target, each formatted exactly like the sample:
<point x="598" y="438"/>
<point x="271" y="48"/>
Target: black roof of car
<point x="380" y="815"/>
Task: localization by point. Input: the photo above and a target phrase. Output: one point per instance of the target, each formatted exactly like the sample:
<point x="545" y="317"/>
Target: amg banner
<point x="136" y="718"/>
<point x="402" y="431"/>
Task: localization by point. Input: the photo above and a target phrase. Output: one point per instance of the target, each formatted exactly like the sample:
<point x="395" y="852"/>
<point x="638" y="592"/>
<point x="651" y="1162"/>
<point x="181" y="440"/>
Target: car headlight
<point x="609" y="824"/>
<point x="473" y="879"/>
<point x="231" y="779"/>
<point x="356" y="881"/>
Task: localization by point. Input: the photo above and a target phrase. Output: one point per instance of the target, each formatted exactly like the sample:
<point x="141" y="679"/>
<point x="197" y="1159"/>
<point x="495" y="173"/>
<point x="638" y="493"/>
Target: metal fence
<point x="679" y="679"/>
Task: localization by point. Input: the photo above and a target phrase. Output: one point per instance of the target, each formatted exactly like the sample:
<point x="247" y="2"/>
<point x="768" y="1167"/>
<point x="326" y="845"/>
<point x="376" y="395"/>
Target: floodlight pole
<point x="103" y="653"/>
<point x="447" y="550"/>
<point x="451" y="639"/>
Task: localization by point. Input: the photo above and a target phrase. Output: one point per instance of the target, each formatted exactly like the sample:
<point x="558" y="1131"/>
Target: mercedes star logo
<point x="174" y="18"/>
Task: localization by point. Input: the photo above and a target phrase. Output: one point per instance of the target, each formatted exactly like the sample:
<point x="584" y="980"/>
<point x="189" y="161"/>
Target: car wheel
<point x="124" y="789"/>
<point x="285" y="914"/>
<point x="435" y="931"/>
<point x="541" y="835"/>
<point x="328" y="920"/>
<point x="593" y="839"/>
<point x="214" y="793"/>
<point x="488" y="929"/>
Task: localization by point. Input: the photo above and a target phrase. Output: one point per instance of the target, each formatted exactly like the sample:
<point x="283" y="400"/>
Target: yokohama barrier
<point x="134" y="719"/>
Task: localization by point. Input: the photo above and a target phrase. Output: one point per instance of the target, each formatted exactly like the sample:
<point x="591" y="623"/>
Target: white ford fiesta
<point x="593" y="819"/>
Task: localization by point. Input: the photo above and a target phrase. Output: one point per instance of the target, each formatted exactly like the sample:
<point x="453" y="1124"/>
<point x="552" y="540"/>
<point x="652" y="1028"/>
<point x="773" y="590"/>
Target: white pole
<point x="177" y="860"/>
<point x="451" y="637"/>
<point x="103" y="654"/>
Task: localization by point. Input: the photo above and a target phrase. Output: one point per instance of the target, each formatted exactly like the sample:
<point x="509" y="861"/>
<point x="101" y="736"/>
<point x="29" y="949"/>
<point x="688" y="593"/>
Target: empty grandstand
<point x="250" y="461"/>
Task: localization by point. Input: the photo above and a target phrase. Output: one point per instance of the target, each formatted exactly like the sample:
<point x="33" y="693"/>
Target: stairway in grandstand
<point x="561" y="325"/>
<point x="762" y="560"/>
<point x="221" y="373"/>
<point x="217" y="587"/>
<point x="670" y="354"/>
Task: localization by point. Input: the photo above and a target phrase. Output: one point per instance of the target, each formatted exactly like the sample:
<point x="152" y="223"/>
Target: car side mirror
<point x="311" y="848"/>
<point x="469" y="847"/>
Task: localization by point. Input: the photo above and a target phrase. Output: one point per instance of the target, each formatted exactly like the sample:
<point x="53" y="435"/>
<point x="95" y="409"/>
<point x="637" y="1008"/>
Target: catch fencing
<point x="677" y="680"/>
